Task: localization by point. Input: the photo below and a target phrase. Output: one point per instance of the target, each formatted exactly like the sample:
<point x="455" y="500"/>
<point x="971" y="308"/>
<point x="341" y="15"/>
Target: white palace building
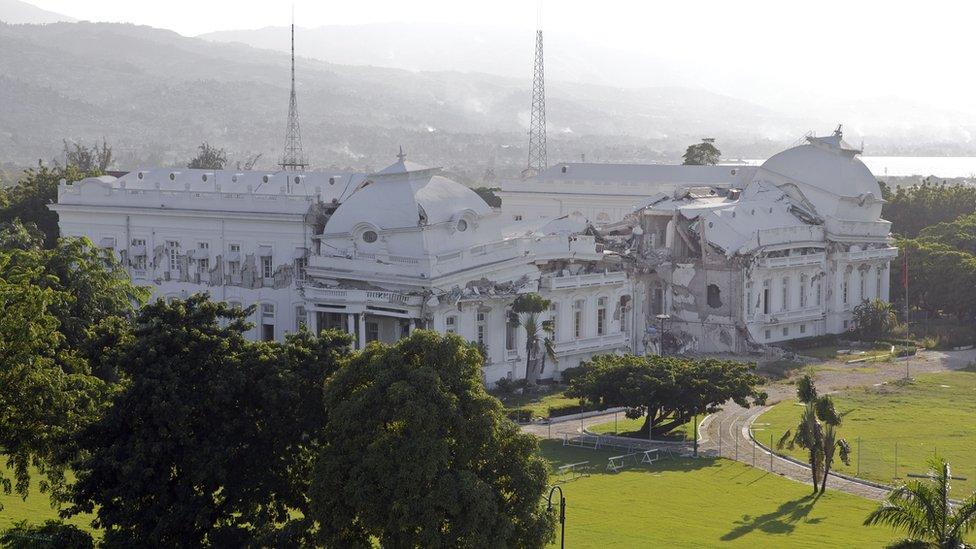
<point x="374" y="255"/>
<point x="763" y="255"/>
<point x="722" y="258"/>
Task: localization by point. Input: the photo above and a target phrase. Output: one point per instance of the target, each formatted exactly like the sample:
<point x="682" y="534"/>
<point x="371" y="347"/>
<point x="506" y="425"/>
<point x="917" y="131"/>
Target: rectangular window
<point x="482" y="321"/>
<point x="301" y="317"/>
<point x="511" y="335"/>
<point x="554" y="318"/>
<point x="819" y="290"/>
<point x="844" y="287"/>
<point x="845" y="324"/>
<point x="765" y="298"/>
<point x="300" y="265"/>
<point x="267" y="321"/>
<point x="601" y="316"/>
<point x="803" y="291"/>
<point x="139" y="261"/>
<point x="450" y="324"/>
<point x="785" y="297"/>
<point x="173" y="249"/>
<point x="786" y="331"/>
<point x="862" y="287"/>
<point x="768" y="334"/>
<point x="578" y="306"/>
<point x="803" y="328"/>
<point x="372" y="331"/>
<point x="877" y="283"/>
<point x="267" y="269"/>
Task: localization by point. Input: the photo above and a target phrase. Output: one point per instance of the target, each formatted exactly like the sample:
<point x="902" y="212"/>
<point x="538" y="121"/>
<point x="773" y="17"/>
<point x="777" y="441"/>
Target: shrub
<point x="53" y="534"/>
<point x="569" y="409"/>
<point x="902" y="351"/>
<point x="519" y="415"/>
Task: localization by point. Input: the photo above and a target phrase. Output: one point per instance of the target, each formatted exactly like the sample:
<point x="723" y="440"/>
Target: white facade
<point x="760" y="255"/>
<point x="373" y="255"/>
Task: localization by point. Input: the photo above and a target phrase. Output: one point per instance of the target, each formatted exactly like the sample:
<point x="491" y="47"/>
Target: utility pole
<point x="294" y="157"/>
<point x="538" y="161"/>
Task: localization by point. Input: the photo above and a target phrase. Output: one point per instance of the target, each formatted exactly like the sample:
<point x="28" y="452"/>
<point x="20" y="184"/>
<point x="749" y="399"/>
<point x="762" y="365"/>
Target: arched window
<point x="714" y="296"/>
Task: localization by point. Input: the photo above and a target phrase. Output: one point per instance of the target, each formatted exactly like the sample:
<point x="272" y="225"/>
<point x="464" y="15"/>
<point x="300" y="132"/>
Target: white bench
<point x="575" y="470"/>
<point x="617" y="463"/>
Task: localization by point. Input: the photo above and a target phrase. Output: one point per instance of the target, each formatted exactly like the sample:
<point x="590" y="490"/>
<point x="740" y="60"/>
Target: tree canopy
<point x="875" y="319"/>
<point x="944" y="257"/>
<point x="417" y="454"/>
<point x="28" y="200"/>
<point x="702" y="154"/>
<point x="211" y="440"/>
<point x="911" y="209"/>
<point x="208" y="158"/>
<point x="54" y="304"/>
<point x="670" y="390"/>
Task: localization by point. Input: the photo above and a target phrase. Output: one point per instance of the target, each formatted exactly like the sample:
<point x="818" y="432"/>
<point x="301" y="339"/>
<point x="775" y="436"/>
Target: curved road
<point x="726" y="433"/>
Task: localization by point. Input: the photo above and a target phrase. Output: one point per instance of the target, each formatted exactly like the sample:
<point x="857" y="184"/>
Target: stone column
<point x="362" y="330"/>
<point x="412" y="326"/>
<point x="312" y="320"/>
<point x="351" y="324"/>
<point x="885" y="282"/>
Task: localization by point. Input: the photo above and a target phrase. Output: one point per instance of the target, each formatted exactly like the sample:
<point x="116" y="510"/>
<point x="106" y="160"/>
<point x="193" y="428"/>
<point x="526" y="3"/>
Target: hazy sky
<point x="917" y="51"/>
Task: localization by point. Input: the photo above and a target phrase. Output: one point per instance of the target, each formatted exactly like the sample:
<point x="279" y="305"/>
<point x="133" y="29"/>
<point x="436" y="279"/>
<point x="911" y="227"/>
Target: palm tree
<point x="817" y="432"/>
<point x="525" y="312"/>
<point x="923" y="510"/>
<point x="808" y="435"/>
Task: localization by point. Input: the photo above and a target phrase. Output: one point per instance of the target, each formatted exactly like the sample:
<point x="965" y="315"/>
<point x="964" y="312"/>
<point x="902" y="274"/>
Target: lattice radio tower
<point x="294" y="157"/>
<point x="537" y="124"/>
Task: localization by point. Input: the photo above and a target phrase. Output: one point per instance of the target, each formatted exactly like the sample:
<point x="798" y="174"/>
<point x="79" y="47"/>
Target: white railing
<point x="583" y="280"/>
<point x="605" y="342"/>
<point x="792" y="261"/>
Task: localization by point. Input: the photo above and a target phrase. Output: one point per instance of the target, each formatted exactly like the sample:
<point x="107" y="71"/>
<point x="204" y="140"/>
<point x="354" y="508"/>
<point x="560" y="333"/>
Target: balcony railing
<point x="583" y="280"/>
<point x="606" y="342"/>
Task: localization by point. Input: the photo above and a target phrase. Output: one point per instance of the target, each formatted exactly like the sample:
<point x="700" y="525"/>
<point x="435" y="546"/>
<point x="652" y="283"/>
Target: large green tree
<point x="923" y="510"/>
<point x="47" y="394"/>
<point x="669" y="390"/>
<point x="417" y="454"/>
<point x="702" y="154"/>
<point x="911" y="209"/>
<point x="211" y="441"/>
<point x="28" y="200"/>
<point x="208" y="158"/>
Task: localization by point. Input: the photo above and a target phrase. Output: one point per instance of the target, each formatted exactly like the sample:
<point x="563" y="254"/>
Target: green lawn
<point x="895" y="428"/>
<point x="627" y="427"/>
<point x="704" y="503"/>
<point x="539" y="403"/>
<point x="36" y="508"/>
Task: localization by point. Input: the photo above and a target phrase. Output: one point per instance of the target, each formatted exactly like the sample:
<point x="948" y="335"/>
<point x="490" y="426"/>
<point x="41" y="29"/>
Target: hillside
<point x="155" y="95"/>
<point x="16" y="12"/>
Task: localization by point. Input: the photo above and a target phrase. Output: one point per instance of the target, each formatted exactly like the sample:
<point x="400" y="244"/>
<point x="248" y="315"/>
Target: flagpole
<point x="907" y="306"/>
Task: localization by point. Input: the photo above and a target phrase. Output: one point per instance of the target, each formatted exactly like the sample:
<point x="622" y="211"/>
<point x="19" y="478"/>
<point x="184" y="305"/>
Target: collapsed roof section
<point x="740" y="222"/>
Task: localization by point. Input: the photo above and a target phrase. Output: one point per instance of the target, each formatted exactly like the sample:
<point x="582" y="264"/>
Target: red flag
<point x="904" y="271"/>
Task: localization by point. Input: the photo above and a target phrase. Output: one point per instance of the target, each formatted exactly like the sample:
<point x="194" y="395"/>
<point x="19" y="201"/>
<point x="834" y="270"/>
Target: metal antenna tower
<point x="294" y="157"/>
<point x="537" y="125"/>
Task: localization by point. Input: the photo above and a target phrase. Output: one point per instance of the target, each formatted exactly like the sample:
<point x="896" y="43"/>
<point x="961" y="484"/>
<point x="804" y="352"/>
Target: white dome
<point x="404" y="196"/>
<point x="827" y="163"/>
<point x="827" y="171"/>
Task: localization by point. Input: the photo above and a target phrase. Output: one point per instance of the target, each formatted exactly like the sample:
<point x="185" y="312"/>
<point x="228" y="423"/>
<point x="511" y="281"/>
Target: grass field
<point x="627" y="427"/>
<point x="539" y="403"/>
<point x="895" y="428"/>
<point x="704" y="503"/>
<point x="36" y="508"/>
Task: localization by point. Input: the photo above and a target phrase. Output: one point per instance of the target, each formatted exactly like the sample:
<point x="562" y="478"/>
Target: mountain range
<point x="155" y="95"/>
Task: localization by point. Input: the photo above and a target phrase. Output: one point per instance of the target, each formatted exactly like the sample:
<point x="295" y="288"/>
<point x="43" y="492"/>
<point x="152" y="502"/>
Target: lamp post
<point x="562" y="515"/>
